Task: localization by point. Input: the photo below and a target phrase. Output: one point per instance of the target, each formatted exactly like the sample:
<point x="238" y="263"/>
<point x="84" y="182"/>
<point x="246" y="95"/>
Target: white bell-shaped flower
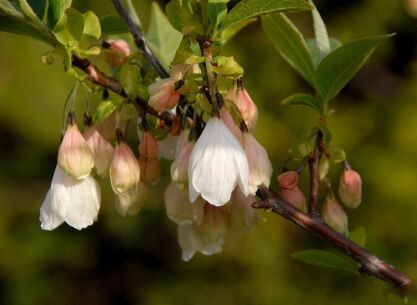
<point x="217" y="165"/>
<point x="70" y="200"/>
<point x="260" y="168"/>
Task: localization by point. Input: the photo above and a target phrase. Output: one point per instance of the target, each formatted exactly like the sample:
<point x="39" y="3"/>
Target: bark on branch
<point x="370" y="264"/>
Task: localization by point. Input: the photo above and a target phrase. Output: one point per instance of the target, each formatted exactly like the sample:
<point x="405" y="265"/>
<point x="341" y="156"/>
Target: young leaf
<point x="217" y="11"/>
<point x="185" y="16"/>
<point x="325" y="259"/>
<point x="247" y="9"/>
<point x="303" y="99"/>
<point x="55" y="10"/>
<point x="227" y="66"/>
<point x="8" y="9"/>
<point x="337" y="69"/>
<point x="112" y="24"/>
<point x="91" y="25"/>
<point x="358" y="236"/>
<point x="290" y="44"/>
<point x="104" y="109"/>
<point x="163" y="39"/>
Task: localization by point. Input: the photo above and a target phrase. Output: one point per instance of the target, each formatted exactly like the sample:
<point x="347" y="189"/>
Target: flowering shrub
<point x="189" y="105"/>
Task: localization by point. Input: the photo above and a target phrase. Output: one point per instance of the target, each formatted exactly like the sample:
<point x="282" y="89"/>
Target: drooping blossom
<point x="101" y="148"/>
<point x="230" y="123"/>
<point x="124" y="169"/>
<point x="246" y="107"/>
<point x="350" y="188"/>
<point x="217" y="165"/>
<point x="131" y="201"/>
<point x="70" y="200"/>
<point x="74" y="154"/>
<point x="260" y="168"/>
<point x="150" y="169"/>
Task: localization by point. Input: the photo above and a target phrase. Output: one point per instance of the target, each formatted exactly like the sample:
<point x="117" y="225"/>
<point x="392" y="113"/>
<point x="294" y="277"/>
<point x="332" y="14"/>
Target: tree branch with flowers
<point x="188" y="104"/>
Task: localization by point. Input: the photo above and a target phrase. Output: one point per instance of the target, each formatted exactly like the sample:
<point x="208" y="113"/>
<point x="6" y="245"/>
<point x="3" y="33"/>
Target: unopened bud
<point x="74" y="155"/>
<point x="148" y="146"/>
<point x="350" y="188"/>
<point x="295" y="197"/>
<point x="334" y="215"/>
<point x="124" y="169"/>
<point x="246" y="107"/>
<point x="150" y="170"/>
<point x="101" y="149"/>
<point x="288" y="180"/>
<point x="117" y="52"/>
<point x="163" y="95"/>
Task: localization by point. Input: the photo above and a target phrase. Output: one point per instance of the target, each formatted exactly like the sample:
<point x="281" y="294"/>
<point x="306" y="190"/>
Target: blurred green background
<point x="136" y="260"/>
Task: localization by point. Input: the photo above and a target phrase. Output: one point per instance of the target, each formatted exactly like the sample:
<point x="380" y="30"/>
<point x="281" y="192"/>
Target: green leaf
<point x="185" y="16"/>
<point x="227" y="66"/>
<point x="217" y="11"/>
<point x="91" y="25"/>
<point x="251" y="8"/>
<point x="320" y="32"/>
<point x="290" y="44"/>
<point x="104" y="109"/>
<point x="55" y="11"/>
<point x="226" y="34"/>
<point x="358" y="236"/>
<point x="112" y="24"/>
<point x="303" y="99"/>
<point x="8" y="9"/>
<point x="163" y="39"/>
<point x="315" y="53"/>
<point x="75" y="24"/>
<point x="19" y="26"/>
<point x="338" y="68"/>
<point x="326" y="259"/>
<point x="338" y="155"/>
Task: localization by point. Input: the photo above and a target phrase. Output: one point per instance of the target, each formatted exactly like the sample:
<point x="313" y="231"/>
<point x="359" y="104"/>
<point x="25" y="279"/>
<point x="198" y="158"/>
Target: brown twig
<point x="139" y="39"/>
<point x="313" y="163"/>
<point x="370" y="264"/>
<point x="107" y="82"/>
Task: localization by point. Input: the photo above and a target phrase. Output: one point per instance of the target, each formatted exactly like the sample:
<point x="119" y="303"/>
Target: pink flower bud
<point x="117" y="52"/>
<point x="74" y="155"/>
<point x="288" y="180"/>
<point x="230" y="123"/>
<point x="350" y="188"/>
<point x="334" y="215"/>
<point x="163" y="95"/>
<point x="179" y="168"/>
<point x="260" y="168"/>
<point x="124" y="169"/>
<point x="150" y="170"/>
<point x="148" y="146"/>
<point x="246" y="107"/>
<point x="101" y="149"/>
<point x="295" y="197"/>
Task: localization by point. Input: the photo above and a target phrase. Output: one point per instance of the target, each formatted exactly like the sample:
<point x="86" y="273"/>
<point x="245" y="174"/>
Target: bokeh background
<point x="136" y="260"/>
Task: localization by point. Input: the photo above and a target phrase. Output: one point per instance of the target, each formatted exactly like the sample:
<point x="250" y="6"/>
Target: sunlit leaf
<point x="217" y="11"/>
<point x="247" y="9"/>
<point x="338" y="68"/>
<point x="290" y="43"/>
<point x="185" y="16"/>
<point x="163" y="39"/>
<point x="104" y="109"/>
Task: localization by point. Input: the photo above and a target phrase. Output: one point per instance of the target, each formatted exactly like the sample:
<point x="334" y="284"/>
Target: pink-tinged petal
<point x="177" y="205"/>
<point x="243" y="216"/>
<point x="74" y="155"/>
<point x="148" y="146"/>
<point x="124" y="169"/>
<point x="102" y="150"/>
<point x="131" y="201"/>
<point x="288" y="180"/>
<point x="334" y="215"/>
<point x="230" y="123"/>
<point x="350" y="188"/>
<point x="260" y="168"/>
<point x="295" y="197"/>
